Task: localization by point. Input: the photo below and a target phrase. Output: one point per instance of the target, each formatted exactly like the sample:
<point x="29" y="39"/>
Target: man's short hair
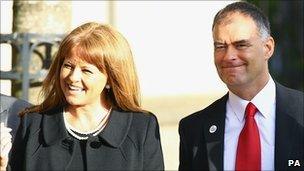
<point x="246" y="9"/>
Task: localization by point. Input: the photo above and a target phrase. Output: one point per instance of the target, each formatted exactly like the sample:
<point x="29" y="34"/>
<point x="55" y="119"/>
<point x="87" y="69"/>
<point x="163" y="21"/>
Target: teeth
<point x="74" y="88"/>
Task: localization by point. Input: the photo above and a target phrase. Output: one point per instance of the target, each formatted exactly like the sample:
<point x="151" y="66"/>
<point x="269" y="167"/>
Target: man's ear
<point x="269" y="47"/>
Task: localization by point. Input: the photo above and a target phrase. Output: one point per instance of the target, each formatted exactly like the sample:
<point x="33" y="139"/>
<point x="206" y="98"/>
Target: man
<point x="9" y="109"/>
<point x="258" y="124"/>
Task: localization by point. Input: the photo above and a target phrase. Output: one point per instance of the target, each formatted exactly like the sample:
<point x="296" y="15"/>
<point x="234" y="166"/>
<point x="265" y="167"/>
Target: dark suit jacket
<point x="9" y="110"/>
<point x="202" y="150"/>
<point x="130" y="141"/>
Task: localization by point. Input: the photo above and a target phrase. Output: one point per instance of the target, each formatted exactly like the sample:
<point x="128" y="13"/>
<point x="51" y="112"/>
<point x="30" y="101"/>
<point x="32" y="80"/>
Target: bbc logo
<point x="294" y="163"/>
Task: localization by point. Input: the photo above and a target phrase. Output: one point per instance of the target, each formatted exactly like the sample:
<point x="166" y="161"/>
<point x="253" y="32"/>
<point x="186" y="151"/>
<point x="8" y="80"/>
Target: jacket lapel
<point x="285" y="129"/>
<point x="53" y="127"/>
<point x="55" y="134"/>
<point x="117" y="128"/>
<point x="214" y="127"/>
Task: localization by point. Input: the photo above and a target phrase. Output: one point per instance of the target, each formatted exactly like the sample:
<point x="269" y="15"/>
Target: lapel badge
<point x="212" y="129"/>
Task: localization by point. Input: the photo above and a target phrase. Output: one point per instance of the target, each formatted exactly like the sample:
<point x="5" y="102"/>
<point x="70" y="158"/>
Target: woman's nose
<point x="75" y="75"/>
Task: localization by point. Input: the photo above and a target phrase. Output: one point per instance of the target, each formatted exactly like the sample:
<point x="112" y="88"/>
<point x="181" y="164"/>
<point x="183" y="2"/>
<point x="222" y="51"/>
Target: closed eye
<point x="68" y="66"/>
<point x="87" y="71"/>
<point x="218" y="46"/>
<point x="242" y="46"/>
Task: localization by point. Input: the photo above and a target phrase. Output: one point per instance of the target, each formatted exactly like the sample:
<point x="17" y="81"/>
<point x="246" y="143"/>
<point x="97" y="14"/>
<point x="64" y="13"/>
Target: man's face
<point x="240" y="54"/>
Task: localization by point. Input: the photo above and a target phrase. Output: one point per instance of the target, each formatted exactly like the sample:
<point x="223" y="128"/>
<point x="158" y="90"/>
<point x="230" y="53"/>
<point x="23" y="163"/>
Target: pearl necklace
<point x="81" y="135"/>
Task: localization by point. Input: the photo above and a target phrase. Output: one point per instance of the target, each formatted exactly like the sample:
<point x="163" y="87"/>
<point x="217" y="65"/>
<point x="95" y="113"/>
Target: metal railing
<point x="25" y="47"/>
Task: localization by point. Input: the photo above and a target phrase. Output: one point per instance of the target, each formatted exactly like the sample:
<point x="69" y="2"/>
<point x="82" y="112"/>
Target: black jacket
<point x="130" y="141"/>
<point x="201" y="150"/>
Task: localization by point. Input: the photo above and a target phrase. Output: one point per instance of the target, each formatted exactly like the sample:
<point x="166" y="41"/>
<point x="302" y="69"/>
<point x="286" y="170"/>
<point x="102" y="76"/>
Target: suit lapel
<point x="285" y="129"/>
<point x="215" y="138"/>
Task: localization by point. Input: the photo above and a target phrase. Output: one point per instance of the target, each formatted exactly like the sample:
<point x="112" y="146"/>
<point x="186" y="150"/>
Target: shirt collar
<point x="264" y="101"/>
<point x="237" y="105"/>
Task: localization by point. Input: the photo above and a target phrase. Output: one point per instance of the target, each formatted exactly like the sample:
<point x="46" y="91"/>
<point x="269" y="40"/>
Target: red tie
<point x="248" y="155"/>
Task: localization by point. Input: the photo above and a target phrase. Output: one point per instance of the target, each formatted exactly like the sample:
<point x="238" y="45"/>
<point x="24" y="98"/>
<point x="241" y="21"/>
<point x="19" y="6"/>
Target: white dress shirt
<point x="265" y="119"/>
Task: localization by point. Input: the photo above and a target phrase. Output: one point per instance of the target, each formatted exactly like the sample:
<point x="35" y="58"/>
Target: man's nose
<point x="230" y="53"/>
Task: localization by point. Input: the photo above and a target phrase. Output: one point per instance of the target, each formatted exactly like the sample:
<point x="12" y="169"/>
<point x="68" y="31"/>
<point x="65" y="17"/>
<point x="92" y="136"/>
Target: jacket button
<point x="67" y="144"/>
<point x="95" y="144"/>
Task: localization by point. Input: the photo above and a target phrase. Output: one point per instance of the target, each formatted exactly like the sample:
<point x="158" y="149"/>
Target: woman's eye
<point x="87" y="71"/>
<point x="67" y="66"/>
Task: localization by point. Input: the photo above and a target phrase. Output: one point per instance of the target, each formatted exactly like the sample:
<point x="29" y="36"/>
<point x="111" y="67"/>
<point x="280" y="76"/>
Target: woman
<point x="91" y="117"/>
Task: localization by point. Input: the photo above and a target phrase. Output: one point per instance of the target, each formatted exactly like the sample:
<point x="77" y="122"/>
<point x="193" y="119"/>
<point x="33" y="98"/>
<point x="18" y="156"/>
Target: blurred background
<point x="171" y="42"/>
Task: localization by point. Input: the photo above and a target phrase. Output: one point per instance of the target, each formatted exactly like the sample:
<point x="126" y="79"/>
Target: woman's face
<point x="81" y="83"/>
